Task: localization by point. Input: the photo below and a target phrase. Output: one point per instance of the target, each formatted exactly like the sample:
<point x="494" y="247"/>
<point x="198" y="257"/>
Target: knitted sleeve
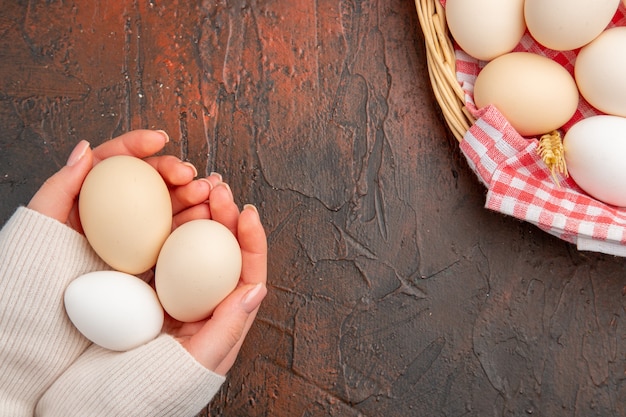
<point x="158" y="379"/>
<point x="39" y="256"/>
<point x="47" y="368"/>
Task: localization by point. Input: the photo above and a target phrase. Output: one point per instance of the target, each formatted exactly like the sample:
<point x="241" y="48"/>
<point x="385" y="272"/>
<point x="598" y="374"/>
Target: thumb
<point x="217" y="343"/>
<point x="57" y="195"/>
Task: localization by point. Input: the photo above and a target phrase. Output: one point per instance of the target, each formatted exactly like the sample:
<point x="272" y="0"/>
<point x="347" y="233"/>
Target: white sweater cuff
<point x="39" y="256"/>
<point x="159" y="378"/>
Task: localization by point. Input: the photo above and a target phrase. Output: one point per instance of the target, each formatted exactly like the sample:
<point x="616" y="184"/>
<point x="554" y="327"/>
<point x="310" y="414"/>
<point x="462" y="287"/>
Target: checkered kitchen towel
<point x="520" y="184"/>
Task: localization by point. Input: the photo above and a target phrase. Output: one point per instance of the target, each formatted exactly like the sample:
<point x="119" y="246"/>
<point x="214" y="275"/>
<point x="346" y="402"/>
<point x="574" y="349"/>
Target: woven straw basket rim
<point x="442" y="67"/>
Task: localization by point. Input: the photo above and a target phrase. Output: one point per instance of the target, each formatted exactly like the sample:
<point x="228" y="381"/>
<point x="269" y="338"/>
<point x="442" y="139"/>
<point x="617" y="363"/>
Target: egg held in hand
<point x="595" y="154"/>
<point x="115" y="310"/>
<point x="199" y="265"/>
<point x="126" y="213"/>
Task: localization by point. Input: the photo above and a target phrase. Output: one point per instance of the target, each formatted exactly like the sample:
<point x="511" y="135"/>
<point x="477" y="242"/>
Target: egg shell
<point x="199" y="265"/>
<point x="600" y="72"/>
<point x="126" y="213"/>
<point x="565" y="25"/>
<point x="535" y="94"/>
<point x="486" y="29"/>
<point x="595" y="154"/>
<point x="115" y="310"/>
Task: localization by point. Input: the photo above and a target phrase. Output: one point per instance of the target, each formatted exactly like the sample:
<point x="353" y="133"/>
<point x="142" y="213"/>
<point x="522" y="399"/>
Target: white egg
<point x="486" y="29"/>
<point x="564" y="25"/>
<point x="595" y="154"/>
<point x="115" y="310"/>
<point x="600" y="72"/>
<point x="199" y="265"/>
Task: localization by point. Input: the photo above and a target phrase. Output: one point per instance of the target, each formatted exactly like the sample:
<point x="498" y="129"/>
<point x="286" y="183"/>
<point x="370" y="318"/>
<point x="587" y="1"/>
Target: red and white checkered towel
<point x="519" y="183"/>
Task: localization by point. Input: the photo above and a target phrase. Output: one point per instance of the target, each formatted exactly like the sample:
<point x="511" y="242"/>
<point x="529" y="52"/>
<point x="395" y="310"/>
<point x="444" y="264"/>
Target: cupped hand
<point x="216" y="341"/>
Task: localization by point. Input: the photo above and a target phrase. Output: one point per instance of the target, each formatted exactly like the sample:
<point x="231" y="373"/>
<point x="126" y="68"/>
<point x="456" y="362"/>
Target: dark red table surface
<point x="392" y="291"/>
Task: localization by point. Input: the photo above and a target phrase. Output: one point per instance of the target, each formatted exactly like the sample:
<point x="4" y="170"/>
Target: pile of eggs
<point x="126" y="214"/>
<point x="537" y="95"/>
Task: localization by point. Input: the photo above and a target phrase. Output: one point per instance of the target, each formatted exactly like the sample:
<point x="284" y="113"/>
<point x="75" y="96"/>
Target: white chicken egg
<point x="534" y="93"/>
<point x="115" y="310"/>
<point x="199" y="265"/>
<point x="595" y="154"/>
<point x="486" y="29"/>
<point x="600" y="72"/>
<point x="564" y="25"/>
<point x="126" y="212"/>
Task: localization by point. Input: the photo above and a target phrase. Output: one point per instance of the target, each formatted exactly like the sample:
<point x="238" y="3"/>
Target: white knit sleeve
<point x="39" y="256"/>
<point x="158" y="379"/>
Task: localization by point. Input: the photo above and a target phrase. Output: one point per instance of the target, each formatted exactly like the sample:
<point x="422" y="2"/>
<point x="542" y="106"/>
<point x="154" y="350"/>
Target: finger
<point x="139" y="143"/>
<point x="223" y="207"/>
<point x="231" y="321"/>
<point x="200" y="211"/>
<point x="173" y="170"/>
<point x="214" y="178"/>
<point x="229" y="360"/>
<point x="253" y="243"/>
<point x="189" y="195"/>
<point x="57" y="195"/>
<point x="181" y="330"/>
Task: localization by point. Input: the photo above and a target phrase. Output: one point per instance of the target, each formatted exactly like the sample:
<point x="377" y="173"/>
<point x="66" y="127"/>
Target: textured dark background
<point x="392" y="291"/>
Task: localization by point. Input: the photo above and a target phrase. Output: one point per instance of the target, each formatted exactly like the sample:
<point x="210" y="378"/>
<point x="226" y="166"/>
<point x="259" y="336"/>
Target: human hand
<point x="39" y="258"/>
<point x="216" y="341"/>
<point x="57" y="197"/>
<point x="178" y="386"/>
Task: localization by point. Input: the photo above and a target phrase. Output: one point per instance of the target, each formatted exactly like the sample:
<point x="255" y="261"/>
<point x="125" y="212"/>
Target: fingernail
<point x="78" y="153"/>
<point x="225" y="185"/>
<point x="206" y="181"/>
<point x="190" y="165"/>
<point x="253" y="298"/>
<point x="165" y="135"/>
<point x="215" y="174"/>
<point x="251" y="207"/>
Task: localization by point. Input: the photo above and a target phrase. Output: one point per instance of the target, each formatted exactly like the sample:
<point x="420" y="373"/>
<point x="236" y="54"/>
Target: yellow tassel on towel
<point x="550" y="150"/>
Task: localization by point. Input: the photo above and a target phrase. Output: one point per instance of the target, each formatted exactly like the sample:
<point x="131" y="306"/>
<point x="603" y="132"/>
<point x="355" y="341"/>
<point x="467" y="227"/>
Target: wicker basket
<point x="442" y="67"/>
<point x="503" y="162"/>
